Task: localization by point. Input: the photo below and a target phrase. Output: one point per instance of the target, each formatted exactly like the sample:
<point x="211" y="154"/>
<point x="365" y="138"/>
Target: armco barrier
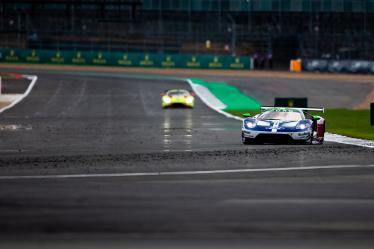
<point x="125" y="59"/>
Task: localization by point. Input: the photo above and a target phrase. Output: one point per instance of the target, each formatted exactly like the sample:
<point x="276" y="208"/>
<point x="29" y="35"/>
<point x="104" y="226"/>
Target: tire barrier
<point x="338" y="66"/>
<point x="124" y="59"/>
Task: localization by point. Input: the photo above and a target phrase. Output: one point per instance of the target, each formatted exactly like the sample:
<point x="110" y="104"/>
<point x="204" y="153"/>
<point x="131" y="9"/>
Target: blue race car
<point x="284" y="124"/>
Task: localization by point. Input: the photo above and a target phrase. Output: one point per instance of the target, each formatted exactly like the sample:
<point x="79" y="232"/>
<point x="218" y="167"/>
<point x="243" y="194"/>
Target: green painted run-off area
<point x="230" y="95"/>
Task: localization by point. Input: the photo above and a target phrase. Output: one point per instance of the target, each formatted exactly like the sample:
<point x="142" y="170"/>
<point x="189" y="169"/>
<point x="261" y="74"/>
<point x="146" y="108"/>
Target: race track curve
<point x="83" y="125"/>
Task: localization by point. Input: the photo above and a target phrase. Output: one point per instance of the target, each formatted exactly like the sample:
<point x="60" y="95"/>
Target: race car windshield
<point x="277" y="115"/>
<point x="178" y="93"/>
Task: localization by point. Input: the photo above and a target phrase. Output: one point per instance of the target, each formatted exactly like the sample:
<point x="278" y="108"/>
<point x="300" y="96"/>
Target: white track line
<point x="185" y="173"/>
<point x="33" y="79"/>
<point x="329" y="137"/>
<point x="213" y="102"/>
<point x="349" y="140"/>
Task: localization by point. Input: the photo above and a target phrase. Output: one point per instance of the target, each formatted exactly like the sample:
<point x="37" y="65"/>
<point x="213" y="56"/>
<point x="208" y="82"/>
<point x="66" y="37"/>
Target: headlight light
<point x="189" y="99"/>
<point x="302" y="126"/>
<point x="166" y="99"/>
<point x="249" y="123"/>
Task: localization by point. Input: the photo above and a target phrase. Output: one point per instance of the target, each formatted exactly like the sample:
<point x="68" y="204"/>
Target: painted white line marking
<point x="310" y="201"/>
<point x="349" y="140"/>
<point x="182" y="173"/>
<point x="33" y="79"/>
<point x="206" y="96"/>
<point x="204" y="91"/>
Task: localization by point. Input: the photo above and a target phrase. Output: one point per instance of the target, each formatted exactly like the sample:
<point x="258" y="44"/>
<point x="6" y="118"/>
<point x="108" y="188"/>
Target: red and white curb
<point x="214" y="103"/>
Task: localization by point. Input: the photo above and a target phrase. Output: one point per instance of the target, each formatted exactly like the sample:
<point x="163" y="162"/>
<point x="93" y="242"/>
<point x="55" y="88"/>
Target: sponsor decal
<point x="125" y="61"/>
<point x="78" y="58"/>
<point x="168" y="62"/>
<point x="147" y="61"/>
<point x="58" y="58"/>
<point x="275" y="126"/>
<point x="99" y="59"/>
<point x="12" y="56"/>
<point x="193" y="62"/>
<point x="216" y="63"/>
<point x="237" y="64"/>
<point x="33" y="57"/>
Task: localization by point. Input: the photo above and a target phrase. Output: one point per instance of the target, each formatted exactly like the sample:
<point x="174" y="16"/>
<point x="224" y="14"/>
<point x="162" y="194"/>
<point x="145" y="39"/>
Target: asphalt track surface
<point x="74" y="124"/>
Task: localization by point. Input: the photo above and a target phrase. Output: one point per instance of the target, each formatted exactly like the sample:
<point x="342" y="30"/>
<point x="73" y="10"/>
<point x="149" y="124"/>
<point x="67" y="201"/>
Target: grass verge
<point x="351" y="123"/>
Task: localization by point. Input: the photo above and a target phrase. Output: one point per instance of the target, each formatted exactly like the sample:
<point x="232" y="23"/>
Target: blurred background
<point x="271" y="31"/>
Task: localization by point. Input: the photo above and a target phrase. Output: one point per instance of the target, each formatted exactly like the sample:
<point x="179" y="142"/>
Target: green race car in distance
<point x="177" y="98"/>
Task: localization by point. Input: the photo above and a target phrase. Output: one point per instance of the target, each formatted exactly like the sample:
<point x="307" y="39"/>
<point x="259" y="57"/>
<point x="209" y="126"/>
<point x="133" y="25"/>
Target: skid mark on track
<point x="77" y="100"/>
<point x="52" y="99"/>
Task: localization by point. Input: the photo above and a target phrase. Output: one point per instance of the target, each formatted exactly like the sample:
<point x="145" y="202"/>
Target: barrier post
<point x="372" y="113"/>
<point x="0" y="85"/>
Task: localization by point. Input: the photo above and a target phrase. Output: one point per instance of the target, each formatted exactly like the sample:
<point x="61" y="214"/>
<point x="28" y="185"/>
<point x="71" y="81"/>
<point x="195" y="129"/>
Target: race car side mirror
<point x="246" y="115"/>
<point x="316" y="117"/>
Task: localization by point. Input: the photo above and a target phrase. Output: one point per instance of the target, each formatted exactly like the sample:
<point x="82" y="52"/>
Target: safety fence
<point x="98" y="58"/>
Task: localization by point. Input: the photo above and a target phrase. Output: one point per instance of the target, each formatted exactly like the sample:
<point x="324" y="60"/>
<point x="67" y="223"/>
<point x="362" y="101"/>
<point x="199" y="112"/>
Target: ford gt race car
<point x="282" y="124"/>
<point x="177" y="97"/>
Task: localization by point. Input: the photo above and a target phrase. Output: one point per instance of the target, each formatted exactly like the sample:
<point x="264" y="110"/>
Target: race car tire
<point x="309" y="141"/>
<point x="320" y="141"/>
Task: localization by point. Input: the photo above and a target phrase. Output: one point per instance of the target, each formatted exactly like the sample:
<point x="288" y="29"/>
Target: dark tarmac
<point x="72" y="124"/>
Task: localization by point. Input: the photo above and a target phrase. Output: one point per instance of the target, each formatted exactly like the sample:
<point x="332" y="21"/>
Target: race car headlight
<point x="189" y="99"/>
<point x="303" y="126"/>
<point x="166" y="99"/>
<point x="249" y="124"/>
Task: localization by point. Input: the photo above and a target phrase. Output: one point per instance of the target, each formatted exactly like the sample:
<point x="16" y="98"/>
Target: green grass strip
<point x="352" y="123"/>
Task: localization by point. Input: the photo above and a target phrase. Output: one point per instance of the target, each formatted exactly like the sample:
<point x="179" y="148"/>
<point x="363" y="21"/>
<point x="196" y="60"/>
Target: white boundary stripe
<point x="33" y="79"/>
<point x="349" y="140"/>
<point x="329" y="137"/>
<point x="206" y="99"/>
<point x="185" y="173"/>
<point x="208" y="96"/>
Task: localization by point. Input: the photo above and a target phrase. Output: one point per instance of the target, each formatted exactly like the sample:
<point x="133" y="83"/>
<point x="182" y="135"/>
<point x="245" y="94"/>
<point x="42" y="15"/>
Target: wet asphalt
<point x="72" y="124"/>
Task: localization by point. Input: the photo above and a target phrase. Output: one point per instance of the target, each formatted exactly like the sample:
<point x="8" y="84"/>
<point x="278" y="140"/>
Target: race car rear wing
<point x="301" y="109"/>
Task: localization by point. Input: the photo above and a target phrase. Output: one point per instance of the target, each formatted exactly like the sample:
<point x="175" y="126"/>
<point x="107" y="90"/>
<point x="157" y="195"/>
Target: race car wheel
<point x="309" y="141"/>
<point x="320" y="141"/>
